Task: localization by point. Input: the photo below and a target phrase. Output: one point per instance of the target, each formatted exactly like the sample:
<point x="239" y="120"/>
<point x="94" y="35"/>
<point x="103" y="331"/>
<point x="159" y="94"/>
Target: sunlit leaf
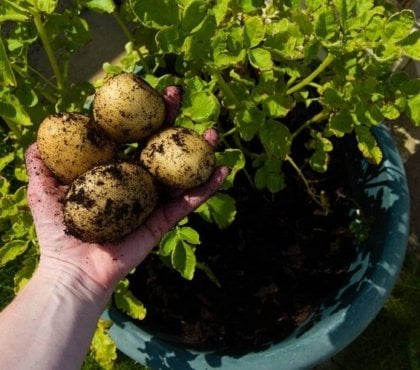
<point x="100" y="6"/>
<point x="168" y="243"/>
<point x="189" y="235"/>
<point x="276" y="139"/>
<point x="203" y="106"/>
<point x="235" y="160"/>
<point x="367" y="145"/>
<point x="184" y="260"/>
<point x="156" y="13"/>
<point x="102" y="346"/>
<point x="399" y="25"/>
<point x="11" y="250"/>
<point x="22" y="276"/>
<point x="7" y="76"/>
<point x="220" y="208"/>
<point x="127" y="302"/>
<point x="254" y="31"/>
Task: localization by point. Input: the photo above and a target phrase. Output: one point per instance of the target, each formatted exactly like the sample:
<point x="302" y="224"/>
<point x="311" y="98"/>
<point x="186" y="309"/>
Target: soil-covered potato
<point x="70" y="144"/>
<point x="108" y="202"/>
<point x="179" y="158"/>
<point x="128" y="109"/>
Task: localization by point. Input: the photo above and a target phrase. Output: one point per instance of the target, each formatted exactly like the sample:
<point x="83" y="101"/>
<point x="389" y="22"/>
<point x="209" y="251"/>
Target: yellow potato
<point x="128" y="109"/>
<point x="108" y="202"/>
<point x="179" y="158"/>
<point x="70" y="144"/>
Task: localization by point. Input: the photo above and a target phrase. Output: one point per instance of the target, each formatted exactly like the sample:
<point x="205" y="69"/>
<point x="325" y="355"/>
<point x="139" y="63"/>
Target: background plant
<point x="244" y="66"/>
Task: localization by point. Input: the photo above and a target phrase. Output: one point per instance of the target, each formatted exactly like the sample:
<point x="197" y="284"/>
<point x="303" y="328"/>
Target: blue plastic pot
<point x="344" y="315"/>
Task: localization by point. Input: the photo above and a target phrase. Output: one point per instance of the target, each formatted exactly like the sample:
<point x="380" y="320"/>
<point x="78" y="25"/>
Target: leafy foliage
<point x="244" y="66"/>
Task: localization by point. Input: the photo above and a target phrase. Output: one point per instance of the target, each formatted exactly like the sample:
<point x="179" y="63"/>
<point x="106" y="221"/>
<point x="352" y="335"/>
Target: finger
<point x="211" y="136"/>
<point x="167" y="216"/>
<point x="44" y="190"/>
<point x="172" y="99"/>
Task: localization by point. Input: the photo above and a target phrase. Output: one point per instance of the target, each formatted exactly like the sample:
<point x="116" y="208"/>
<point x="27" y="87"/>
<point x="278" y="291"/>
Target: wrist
<point x="72" y="280"/>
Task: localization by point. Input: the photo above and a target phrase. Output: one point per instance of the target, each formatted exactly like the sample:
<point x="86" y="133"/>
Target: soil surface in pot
<point x="276" y="263"/>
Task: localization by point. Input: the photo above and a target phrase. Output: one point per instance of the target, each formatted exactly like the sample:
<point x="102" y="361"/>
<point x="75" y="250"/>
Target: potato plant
<point x="243" y="65"/>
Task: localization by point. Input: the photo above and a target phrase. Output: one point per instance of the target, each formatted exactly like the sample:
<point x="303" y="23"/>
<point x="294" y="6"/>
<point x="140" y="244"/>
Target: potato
<point x="108" y="202"/>
<point x="179" y="158"/>
<point x="70" y="144"/>
<point x="128" y="109"/>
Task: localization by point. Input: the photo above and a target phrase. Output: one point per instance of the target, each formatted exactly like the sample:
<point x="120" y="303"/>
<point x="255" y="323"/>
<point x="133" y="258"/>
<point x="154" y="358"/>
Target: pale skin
<point x="50" y="323"/>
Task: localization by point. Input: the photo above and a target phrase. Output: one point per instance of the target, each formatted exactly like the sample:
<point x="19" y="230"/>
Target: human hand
<point x="105" y="263"/>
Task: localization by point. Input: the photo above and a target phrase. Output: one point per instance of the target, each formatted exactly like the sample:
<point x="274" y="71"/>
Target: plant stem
<point x="317" y="118"/>
<point x="230" y="132"/>
<point x="48" y="50"/>
<point x="130" y="38"/>
<point x="41" y="76"/>
<point x="225" y="88"/>
<point x="305" y="182"/>
<point x="123" y="27"/>
<point x="325" y="63"/>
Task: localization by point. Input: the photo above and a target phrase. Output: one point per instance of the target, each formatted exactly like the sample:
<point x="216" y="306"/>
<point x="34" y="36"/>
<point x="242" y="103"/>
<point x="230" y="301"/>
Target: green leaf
<point x="100" y="6"/>
<point x="10" y="11"/>
<point x="341" y="123"/>
<point x="333" y="98"/>
<point x="254" y="34"/>
<point x="184" y="260"/>
<point x="411" y="45"/>
<point x="326" y="25"/>
<point x="127" y="302"/>
<point x="222" y="209"/>
<point x="196" y="46"/>
<point x="345" y="8"/>
<point x="270" y="176"/>
<point x="390" y="111"/>
<point x="103" y="348"/>
<point x="285" y="40"/>
<point x="25" y="273"/>
<point x="277" y="105"/>
<point x="7" y="159"/>
<point x="228" y="47"/>
<point x="8" y="208"/>
<point x="251" y="5"/>
<point x="169" y="39"/>
<point x="193" y="14"/>
<point x="413" y="110"/>
<point x="21" y="174"/>
<point x="7" y="76"/>
<point x="156" y="13"/>
<point x="235" y="160"/>
<point x="4" y="186"/>
<point x="12" y="109"/>
<point x="276" y="139"/>
<point x="202" y="106"/>
<point x="220" y="10"/>
<point x="260" y="58"/>
<point x="11" y="250"/>
<point x="399" y="25"/>
<point x="168" y="243"/>
<point x="249" y="119"/>
<point x="189" y="235"/>
<point x="320" y="158"/>
<point x="367" y="145"/>
<point x="45" y="6"/>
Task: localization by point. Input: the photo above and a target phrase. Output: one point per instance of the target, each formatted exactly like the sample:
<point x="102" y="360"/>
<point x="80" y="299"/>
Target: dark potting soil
<point x="278" y="260"/>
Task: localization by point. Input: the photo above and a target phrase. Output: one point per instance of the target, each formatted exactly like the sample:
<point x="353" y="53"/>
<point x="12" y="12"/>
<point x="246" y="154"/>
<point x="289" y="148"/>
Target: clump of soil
<point x="276" y="263"/>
